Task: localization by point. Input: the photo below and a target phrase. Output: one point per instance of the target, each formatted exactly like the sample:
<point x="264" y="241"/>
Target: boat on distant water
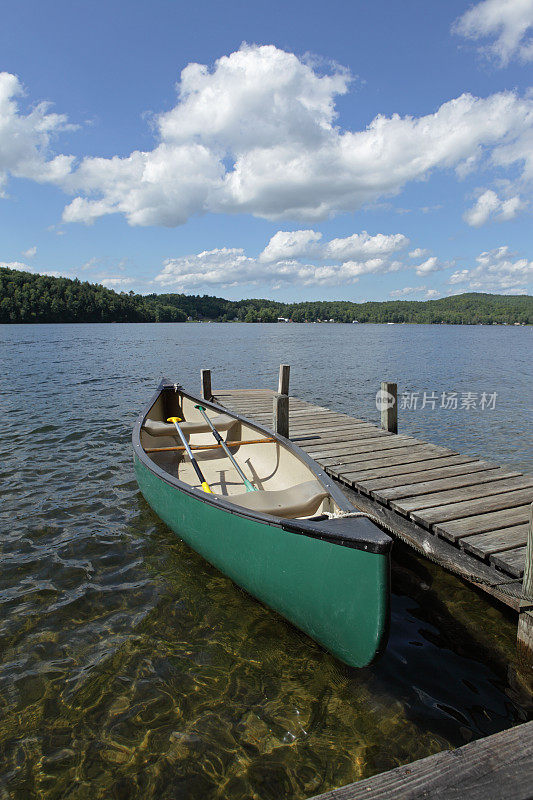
<point x="288" y="540"/>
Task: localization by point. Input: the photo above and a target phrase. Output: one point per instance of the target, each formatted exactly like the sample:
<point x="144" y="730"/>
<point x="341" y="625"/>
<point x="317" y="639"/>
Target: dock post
<point x="284" y="373"/>
<point x="280" y="422"/>
<point x="207" y="394"/>
<point x="525" y="618"/>
<point x="389" y="407"/>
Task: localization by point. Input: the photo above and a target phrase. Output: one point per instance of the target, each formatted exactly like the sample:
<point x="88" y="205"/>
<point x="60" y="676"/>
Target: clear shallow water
<point x="130" y="668"/>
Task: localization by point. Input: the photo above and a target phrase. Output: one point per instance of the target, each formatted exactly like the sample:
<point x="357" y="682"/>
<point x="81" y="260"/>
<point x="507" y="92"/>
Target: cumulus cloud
<point x="258" y="133"/>
<point x="489" y="205"/>
<point x="115" y="281"/>
<point x="291" y="244"/>
<point x="30" y="252"/>
<point x="295" y="244"/>
<point x="507" y="22"/>
<point x="418" y="252"/>
<point x="497" y="270"/>
<point x="409" y="291"/>
<point x="431" y="264"/>
<point x="285" y="260"/>
<point x="25" y="139"/>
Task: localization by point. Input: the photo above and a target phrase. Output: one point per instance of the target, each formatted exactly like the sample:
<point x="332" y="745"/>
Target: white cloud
<point x="115" y="282"/>
<point x="418" y="252"/>
<point x="507" y="22"/>
<point x="285" y="260"/>
<point x="362" y="245"/>
<point x="258" y="133"/>
<point x="25" y="139"/>
<point x="497" y="270"/>
<point x="409" y="291"/>
<point x="295" y="244"/>
<point x="489" y="205"/>
<point x="290" y="244"/>
<point x="431" y="264"/>
<point x="30" y="252"/>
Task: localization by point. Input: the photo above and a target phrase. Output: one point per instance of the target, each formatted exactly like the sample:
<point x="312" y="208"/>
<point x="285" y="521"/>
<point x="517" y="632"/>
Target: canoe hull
<point x="338" y="595"/>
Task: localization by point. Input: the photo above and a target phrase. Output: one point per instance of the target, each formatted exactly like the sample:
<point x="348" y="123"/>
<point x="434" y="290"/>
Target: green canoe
<point x="289" y="543"/>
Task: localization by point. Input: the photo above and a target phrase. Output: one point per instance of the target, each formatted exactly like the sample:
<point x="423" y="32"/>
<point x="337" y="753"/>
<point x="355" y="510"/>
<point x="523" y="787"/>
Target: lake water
<point x="130" y="668"/>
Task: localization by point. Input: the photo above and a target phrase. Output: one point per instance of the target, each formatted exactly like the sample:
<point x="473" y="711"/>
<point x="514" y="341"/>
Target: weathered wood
<point x="511" y="561"/>
<point x="280" y="422"/>
<point x="284" y="374"/>
<point x="384" y="443"/>
<point x="524" y="640"/>
<point x="389" y="407"/>
<point x="480" y="523"/>
<point x="484" y="544"/>
<point x="434" y="499"/>
<point x="206" y="391"/>
<point x="445" y="513"/>
<point x="347" y="470"/>
<point x="352" y="434"/>
<point x="499" y="767"/>
<point x="426" y="476"/>
<point x="384" y="471"/>
<point x="367" y="443"/>
<point x="454" y="482"/>
<point x="528" y="559"/>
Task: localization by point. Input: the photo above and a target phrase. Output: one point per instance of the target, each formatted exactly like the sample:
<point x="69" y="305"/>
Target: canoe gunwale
<point x="353" y="532"/>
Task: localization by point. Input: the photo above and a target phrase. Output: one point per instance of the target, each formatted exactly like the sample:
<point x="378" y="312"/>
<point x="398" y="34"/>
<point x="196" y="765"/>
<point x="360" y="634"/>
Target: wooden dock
<point x="467" y="514"/>
<point x="497" y="767"/>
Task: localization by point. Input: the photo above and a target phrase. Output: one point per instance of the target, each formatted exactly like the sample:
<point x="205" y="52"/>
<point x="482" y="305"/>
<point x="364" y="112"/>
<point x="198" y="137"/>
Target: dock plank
<point x="482" y="523"/>
<point x="369" y="460"/>
<point x="384" y="471"/>
<point x="468" y="508"/>
<point x="484" y="544"/>
<point x="385" y="443"/>
<point x="364" y="445"/>
<point x="409" y="504"/>
<point x="511" y="561"/>
<point x="499" y="767"/>
<point x="448" y="482"/>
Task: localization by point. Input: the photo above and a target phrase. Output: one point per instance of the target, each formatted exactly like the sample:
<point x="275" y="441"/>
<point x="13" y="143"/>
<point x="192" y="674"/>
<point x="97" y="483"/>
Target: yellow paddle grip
<point x="174" y="419"/>
<point x="206" y="488"/>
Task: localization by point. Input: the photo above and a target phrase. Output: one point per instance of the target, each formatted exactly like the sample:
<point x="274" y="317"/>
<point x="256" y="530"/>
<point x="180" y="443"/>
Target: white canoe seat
<point x="301" y="500"/>
<point x="222" y="422"/>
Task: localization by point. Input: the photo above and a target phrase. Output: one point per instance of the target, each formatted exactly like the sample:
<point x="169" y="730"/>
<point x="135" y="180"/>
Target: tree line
<point x="27" y="297"/>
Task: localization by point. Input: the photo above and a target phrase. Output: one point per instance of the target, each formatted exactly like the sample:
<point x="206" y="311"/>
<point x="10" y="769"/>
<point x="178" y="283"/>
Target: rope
<point x="439" y="560"/>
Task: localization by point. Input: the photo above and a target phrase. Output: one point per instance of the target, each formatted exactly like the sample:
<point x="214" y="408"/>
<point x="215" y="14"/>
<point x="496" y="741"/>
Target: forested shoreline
<point x="30" y="298"/>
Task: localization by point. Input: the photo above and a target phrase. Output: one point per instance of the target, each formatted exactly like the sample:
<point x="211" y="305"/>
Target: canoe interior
<point x="269" y="466"/>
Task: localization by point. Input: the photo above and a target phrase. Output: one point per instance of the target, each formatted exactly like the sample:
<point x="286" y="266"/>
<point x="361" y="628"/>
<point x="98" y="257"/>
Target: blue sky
<point x="295" y="150"/>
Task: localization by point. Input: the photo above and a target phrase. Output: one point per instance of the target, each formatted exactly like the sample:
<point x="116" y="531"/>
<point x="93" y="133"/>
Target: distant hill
<point x="26" y="297"/>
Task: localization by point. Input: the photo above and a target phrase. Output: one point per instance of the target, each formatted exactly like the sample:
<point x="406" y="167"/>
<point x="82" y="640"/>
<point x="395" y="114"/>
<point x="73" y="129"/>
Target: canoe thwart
<point x="207" y="446"/>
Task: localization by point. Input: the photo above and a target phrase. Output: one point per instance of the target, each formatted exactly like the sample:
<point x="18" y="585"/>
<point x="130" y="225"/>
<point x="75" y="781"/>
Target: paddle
<point x="205" y="485"/>
<point x="222" y="443"/>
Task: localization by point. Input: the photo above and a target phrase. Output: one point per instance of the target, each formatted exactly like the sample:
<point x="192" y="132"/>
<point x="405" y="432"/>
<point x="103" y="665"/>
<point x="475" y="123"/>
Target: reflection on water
<point x="130" y="668"/>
